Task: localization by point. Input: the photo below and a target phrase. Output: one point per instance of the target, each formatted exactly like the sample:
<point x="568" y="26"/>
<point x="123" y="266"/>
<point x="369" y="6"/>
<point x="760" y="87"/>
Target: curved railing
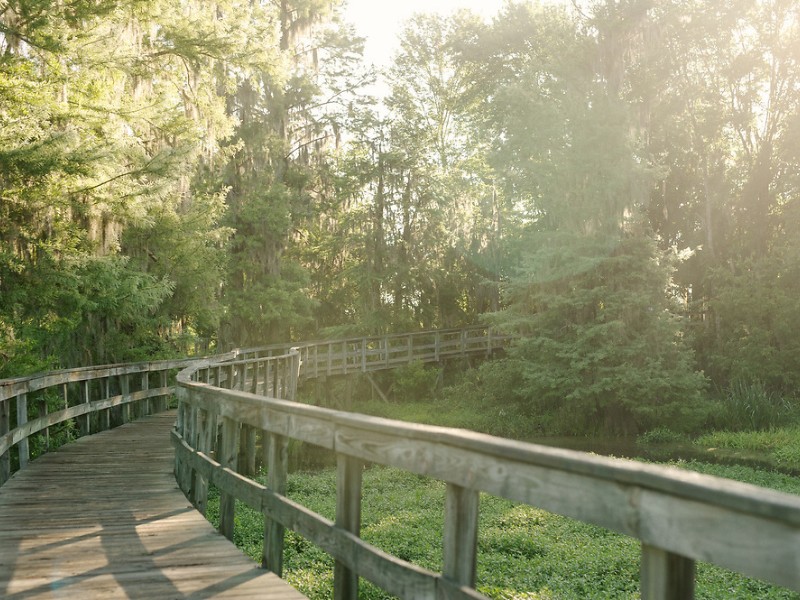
<point x="77" y="402"/>
<point x="679" y="516"/>
<point x="92" y="398"/>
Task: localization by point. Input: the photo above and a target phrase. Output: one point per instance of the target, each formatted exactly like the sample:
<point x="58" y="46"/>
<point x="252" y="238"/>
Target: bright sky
<point x="380" y="21"/>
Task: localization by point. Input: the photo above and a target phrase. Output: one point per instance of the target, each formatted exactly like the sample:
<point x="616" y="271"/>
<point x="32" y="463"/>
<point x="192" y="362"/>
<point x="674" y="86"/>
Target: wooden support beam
<point x="377" y="388"/>
<point x="666" y="576"/>
<point x="5" y="458"/>
<point x="22" y="417"/>
<point x="229" y="451"/>
<point x="460" y="535"/>
<point x="277" y="460"/>
<point x="85" y="422"/>
<point x="348" y="517"/>
<point x="206" y="438"/>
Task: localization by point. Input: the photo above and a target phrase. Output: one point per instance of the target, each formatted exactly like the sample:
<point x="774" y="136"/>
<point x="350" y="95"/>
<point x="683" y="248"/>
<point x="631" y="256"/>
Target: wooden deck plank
<point x="103" y="518"/>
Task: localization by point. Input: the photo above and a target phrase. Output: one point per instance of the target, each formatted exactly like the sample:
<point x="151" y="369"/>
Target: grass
<point x="524" y="553"/>
<point x="781" y="446"/>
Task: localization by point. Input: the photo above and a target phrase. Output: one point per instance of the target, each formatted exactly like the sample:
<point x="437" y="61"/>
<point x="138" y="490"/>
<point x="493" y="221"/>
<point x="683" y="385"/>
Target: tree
<point x="601" y="345"/>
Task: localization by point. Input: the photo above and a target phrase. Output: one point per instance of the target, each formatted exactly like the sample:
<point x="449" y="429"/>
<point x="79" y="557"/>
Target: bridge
<point x="103" y="516"/>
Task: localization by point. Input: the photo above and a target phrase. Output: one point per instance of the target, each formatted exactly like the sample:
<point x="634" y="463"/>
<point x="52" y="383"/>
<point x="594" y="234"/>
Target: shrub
<point x="750" y="406"/>
<point x="661" y="435"/>
<point x="415" y="381"/>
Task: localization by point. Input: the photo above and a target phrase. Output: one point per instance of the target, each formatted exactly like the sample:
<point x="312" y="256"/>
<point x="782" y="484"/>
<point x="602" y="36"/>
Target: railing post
<point x="364" y="355"/>
<point x="163" y="401"/>
<point x="85" y="421"/>
<point x="229" y="450"/>
<point x="207" y="432"/>
<point x="247" y="458"/>
<point x="277" y="451"/>
<point x="460" y="535"/>
<point x="348" y="517"/>
<point x="22" y="417"/>
<point x="42" y="409"/>
<point x="180" y="427"/>
<point x="254" y="385"/>
<point x="125" y="388"/>
<point x="666" y="576"/>
<point x="104" y="419"/>
<point x="294" y="375"/>
<point x="146" y="403"/>
<point x="437" y="343"/>
<point x="243" y="376"/>
<point x="5" y="459"/>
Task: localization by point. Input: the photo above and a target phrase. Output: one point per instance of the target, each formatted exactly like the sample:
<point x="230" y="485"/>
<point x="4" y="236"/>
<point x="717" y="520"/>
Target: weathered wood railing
<point x="680" y="517"/>
<point x="378" y="353"/>
<point x="93" y="398"/>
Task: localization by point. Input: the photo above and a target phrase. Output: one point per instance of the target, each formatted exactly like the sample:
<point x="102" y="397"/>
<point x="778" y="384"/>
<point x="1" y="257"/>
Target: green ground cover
<point x="781" y="446"/>
<point x="524" y="553"/>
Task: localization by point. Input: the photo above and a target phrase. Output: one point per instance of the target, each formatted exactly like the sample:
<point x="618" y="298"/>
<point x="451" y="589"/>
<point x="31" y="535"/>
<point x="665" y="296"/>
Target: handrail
<point x="96" y="398"/>
<point x="679" y="516"/>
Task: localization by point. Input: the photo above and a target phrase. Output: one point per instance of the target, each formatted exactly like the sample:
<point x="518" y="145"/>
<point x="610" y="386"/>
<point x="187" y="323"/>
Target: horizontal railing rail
<point x="680" y="517"/>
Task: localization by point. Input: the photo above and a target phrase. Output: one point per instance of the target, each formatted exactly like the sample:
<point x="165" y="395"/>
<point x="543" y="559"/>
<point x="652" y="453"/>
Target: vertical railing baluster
<point x="666" y="576"/>
<point x="364" y="355"/>
<point x="460" y="535"/>
<point x="207" y="431"/>
<point x="229" y="451"/>
<point x="277" y="459"/>
<point x="125" y="389"/>
<point x="146" y="402"/>
<point x="294" y="375"/>
<point x="163" y="401"/>
<point x="254" y="384"/>
<point x="85" y="420"/>
<point x="5" y="426"/>
<point x="349" y="472"/>
<point x="104" y="420"/>
<point x="42" y="407"/>
<point x="22" y="417"/>
<point x="180" y="427"/>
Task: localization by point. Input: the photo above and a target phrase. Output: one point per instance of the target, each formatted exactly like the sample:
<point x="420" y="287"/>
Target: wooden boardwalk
<point x="103" y="518"/>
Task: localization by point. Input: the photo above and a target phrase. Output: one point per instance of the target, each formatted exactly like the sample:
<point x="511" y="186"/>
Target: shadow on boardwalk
<point x="103" y="518"/>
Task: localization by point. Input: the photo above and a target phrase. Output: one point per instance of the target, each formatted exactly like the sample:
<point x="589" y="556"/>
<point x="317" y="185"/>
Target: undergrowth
<point x="523" y="553"/>
<point x="782" y="445"/>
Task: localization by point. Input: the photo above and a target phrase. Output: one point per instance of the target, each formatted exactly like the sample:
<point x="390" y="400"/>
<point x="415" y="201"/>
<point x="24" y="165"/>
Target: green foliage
<point x="756" y="336"/>
<point x="661" y="435"/>
<point x="782" y="445"/>
<point x="414" y="382"/>
<point x="601" y="348"/>
<point x="749" y="405"/>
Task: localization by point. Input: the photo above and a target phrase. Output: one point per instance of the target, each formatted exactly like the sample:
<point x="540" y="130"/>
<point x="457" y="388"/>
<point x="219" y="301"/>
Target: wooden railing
<point x="679" y="516"/>
<point x="91" y="399"/>
<point x="378" y="353"/>
<point x="86" y="400"/>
